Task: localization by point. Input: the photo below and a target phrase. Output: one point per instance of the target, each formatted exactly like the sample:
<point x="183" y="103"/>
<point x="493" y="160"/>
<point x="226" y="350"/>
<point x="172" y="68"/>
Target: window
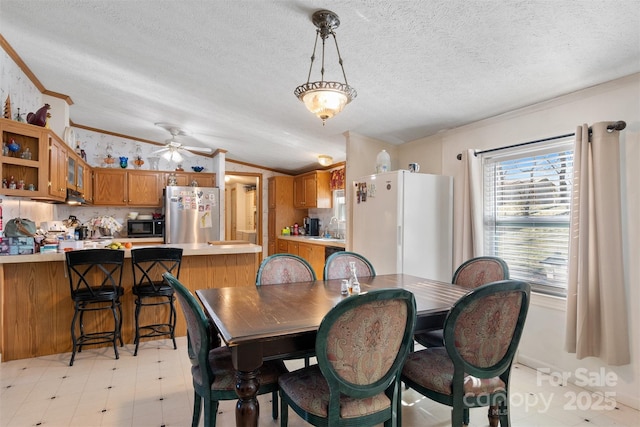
<point x="527" y="199"/>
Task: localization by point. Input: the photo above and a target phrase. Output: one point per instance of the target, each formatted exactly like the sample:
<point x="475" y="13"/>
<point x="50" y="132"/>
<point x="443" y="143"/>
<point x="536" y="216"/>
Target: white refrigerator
<point x="403" y="223"/>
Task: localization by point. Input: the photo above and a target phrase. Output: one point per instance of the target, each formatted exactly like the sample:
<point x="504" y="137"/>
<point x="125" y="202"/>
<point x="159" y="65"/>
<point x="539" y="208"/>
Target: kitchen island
<point x="37" y="308"/>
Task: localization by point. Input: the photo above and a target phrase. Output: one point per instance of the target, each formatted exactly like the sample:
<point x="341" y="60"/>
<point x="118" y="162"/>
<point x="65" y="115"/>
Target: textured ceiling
<point x="227" y="69"/>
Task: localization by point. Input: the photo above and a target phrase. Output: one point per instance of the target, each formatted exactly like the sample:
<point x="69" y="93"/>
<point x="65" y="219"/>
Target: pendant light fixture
<point x="323" y="98"/>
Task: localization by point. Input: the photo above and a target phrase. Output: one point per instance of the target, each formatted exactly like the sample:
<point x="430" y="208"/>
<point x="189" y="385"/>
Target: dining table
<point x="270" y="322"/>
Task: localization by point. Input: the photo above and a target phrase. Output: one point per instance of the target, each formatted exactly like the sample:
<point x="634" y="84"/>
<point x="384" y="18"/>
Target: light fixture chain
<point x="313" y="57"/>
<point x="339" y="58"/>
<point x="322" y="69"/>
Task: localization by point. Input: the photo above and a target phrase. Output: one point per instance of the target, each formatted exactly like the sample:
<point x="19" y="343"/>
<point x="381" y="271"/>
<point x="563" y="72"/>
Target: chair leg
<point x="197" y="408"/>
<point x="172" y="320"/>
<point x="119" y="304"/>
<point x="74" y="340"/>
<point x="494" y="416"/>
<point x="284" y="413"/>
<point x="136" y="340"/>
<point x="465" y="416"/>
<point x="210" y="412"/>
<point x="505" y="418"/>
<point x="116" y="329"/>
<point x="274" y="405"/>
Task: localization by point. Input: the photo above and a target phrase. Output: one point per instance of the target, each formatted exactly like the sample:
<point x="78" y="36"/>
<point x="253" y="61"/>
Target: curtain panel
<point x="597" y="322"/>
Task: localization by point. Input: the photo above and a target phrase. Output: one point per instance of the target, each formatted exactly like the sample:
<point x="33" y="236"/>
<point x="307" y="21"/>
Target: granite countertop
<point x="189" y="249"/>
<point x="316" y="240"/>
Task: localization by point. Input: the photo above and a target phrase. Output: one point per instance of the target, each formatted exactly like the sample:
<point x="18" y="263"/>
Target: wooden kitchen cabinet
<point x="281" y="210"/>
<point x="186" y="178"/>
<point x="109" y="187"/>
<point x="117" y="187"/>
<point x="312" y="190"/>
<point x="314" y="254"/>
<point x="87" y="188"/>
<point x="32" y="171"/>
<point x="58" y="151"/>
<point x="144" y="188"/>
<point x="77" y="173"/>
<point x="283" y="246"/>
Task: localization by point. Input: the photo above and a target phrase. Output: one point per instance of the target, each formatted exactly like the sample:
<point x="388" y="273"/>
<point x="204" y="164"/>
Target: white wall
<point x="542" y="344"/>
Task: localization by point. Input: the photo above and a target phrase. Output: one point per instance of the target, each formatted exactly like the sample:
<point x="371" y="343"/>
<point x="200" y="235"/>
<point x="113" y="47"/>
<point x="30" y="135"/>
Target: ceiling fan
<point x="174" y="149"/>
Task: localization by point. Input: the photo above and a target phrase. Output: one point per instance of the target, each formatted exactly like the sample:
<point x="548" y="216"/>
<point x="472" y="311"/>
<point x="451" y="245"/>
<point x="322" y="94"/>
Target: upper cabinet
<point x="311" y="190"/>
<point x="199" y="179"/>
<point x="58" y="152"/>
<point x="24" y="159"/>
<point x="119" y="187"/>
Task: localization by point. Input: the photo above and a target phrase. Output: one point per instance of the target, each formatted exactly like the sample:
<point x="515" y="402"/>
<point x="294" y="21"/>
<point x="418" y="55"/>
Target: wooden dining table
<point x="268" y="322"/>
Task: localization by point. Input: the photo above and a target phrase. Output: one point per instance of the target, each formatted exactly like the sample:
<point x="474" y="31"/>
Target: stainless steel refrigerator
<point x="403" y="223"/>
<point x="192" y="214"/>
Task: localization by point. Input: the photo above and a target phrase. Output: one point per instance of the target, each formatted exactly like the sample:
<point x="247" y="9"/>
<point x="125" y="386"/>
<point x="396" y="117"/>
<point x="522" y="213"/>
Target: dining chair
<point x="481" y="335"/>
<point x="214" y="377"/>
<point x="150" y="290"/>
<point x="470" y="274"/>
<point x="337" y="266"/>
<point x="361" y="345"/>
<point x="95" y="277"/>
<point x="277" y="269"/>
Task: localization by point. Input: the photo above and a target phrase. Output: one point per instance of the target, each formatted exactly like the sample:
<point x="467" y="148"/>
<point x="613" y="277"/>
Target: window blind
<point x="527" y="196"/>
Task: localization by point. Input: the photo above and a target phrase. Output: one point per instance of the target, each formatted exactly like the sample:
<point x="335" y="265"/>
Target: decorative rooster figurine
<point x="39" y="118"/>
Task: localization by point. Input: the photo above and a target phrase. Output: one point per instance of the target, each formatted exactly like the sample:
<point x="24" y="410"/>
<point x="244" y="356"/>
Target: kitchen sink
<point x="325" y="239"/>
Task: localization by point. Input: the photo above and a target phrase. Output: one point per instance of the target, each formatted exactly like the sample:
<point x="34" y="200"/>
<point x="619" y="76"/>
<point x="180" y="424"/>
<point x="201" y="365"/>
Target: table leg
<point x="247" y="408"/>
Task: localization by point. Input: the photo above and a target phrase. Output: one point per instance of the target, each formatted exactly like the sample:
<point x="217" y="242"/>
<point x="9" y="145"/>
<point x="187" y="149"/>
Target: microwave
<point x="145" y="228"/>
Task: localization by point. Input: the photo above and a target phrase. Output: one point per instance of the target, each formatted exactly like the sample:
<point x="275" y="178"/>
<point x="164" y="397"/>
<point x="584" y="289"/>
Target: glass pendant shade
<point x="325" y="103"/>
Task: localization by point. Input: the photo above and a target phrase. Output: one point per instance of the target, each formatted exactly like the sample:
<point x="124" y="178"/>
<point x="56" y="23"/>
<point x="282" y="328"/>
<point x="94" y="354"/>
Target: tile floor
<point x="154" y="389"/>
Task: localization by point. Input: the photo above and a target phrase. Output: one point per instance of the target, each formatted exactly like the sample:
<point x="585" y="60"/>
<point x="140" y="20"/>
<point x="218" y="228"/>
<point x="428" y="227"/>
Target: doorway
<point x="243" y="207"/>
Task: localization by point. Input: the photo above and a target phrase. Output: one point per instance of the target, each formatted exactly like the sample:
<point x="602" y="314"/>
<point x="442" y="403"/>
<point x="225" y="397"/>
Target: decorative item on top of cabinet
<point x="311" y="190"/>
<point x="39" y="118"/>
<point x="33" y="171"/>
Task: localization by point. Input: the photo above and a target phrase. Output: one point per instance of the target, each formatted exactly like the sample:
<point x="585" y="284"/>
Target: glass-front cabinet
<point x="23" y="163"/>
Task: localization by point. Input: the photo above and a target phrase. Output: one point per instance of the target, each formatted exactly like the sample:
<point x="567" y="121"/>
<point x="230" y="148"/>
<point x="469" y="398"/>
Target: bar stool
<point x="95" y="276"/>
<point x="150" y="289"/>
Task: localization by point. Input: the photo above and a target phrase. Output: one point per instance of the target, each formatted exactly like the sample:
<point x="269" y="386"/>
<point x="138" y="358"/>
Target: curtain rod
<point x="619" y="125"/>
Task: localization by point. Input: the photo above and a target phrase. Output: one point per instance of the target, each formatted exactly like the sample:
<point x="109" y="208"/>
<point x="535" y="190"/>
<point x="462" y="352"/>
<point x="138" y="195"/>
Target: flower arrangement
<point x="106" y="225"/>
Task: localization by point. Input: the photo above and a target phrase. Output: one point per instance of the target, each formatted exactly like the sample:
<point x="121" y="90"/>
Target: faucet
<point x="336" y="232"/>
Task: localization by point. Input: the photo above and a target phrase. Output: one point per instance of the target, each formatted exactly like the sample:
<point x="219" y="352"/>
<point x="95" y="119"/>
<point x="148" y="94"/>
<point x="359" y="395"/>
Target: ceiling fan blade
<point x="161" y="150"/>
<point x="200" y="149"/>
<point x="186" y="153"/>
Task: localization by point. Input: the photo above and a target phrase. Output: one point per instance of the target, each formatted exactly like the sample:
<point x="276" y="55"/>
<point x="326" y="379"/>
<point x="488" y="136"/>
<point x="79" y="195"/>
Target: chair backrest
<point x="337" y="266"/>
<point x="284" y="268"/>
<point x="197" y="330"/>
<point x="479" y="271"/>
<point x="483" y="328"/>
<point x="94" y="271"/>
<point x="363" y="342"/>
<point x="149" y="264"/>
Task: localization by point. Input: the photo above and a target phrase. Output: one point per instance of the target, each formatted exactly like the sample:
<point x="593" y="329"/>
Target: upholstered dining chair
<point x="95" y="277"/>
<point x="361" y="345"/>
<point x="150" y="290"/>
<point x="277" y="269"/>
<point x="214" y="378"/>
<point x="481" y="335"/>
<point x="470" y="274"/>
<point x="337" y="266"/>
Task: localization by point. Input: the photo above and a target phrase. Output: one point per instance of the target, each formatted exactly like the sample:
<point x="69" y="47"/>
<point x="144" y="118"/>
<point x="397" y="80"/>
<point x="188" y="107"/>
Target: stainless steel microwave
<point x="145" y="228"/>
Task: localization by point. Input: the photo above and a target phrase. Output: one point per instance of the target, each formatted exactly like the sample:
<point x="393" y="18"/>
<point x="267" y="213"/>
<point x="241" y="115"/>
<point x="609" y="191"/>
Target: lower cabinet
<point x="313" y="254"/>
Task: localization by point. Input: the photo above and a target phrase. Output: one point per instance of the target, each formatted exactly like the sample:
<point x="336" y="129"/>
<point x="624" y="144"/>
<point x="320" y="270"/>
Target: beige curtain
<point x="470" y="244"/>
<point x="596" y="302"/>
